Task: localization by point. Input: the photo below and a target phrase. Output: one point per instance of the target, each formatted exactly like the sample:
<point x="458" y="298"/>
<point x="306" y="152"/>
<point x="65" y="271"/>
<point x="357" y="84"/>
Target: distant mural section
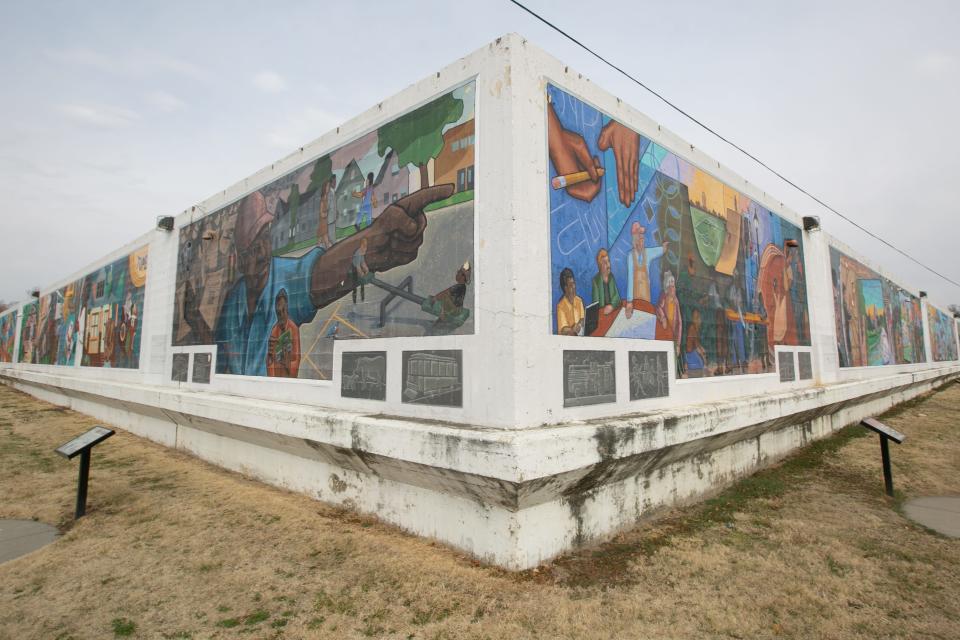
<point x="374" y="239"/>
<point x="877" y="322"/>
<point x="99" y="316"/>
<point x="8" y="336"/>
<point x="646" y="245"/>
<point x="943" y="335"/>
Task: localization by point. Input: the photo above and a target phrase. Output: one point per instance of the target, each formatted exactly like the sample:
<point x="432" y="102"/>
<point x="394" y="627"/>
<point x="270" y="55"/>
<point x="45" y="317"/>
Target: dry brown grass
<point x="175" y="548"/>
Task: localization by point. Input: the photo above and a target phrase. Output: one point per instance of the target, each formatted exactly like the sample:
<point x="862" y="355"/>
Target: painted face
<point x="255" y="261"/>
<point x="605" y="266"/>
<point x="570" y="289"/>
<point x="282" y="309"/>
<point x="638" y="240"/>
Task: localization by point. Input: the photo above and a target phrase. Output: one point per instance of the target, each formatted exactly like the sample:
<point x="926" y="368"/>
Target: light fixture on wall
<point x="811" y="223"/>
<point x="165" y="223"/>
<point x="923" y="294"/>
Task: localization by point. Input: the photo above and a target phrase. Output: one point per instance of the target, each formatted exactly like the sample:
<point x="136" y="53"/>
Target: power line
<point x="728" y="141"/>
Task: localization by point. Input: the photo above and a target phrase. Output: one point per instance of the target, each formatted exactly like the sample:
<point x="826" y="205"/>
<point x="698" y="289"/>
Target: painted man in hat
<point x="312" y="281"/>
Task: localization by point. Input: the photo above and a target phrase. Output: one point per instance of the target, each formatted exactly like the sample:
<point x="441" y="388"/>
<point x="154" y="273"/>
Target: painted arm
<point x="393" y="239"/>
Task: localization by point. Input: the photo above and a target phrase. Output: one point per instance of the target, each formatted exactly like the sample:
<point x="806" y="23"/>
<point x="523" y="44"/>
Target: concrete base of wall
<point x="511" y="498"/>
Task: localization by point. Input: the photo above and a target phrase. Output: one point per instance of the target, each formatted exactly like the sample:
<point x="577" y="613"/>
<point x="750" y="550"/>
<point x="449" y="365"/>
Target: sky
<point x="114" y="113"/>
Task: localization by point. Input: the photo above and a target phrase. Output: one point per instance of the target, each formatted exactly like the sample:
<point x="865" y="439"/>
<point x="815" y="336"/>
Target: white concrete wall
<point x="512" y="476"/>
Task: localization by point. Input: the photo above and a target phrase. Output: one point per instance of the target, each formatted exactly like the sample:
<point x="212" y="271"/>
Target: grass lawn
<point x="175" y="548"/>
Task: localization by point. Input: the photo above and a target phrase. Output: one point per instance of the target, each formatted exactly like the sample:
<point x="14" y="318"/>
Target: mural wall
<point x="943" y="337"/>
<point x="98" y="315"/>
<point x="877" y="322"/>
<point x="645" y="245"/>
<point x="374" y="239"/>
<point x="8" y="334"/>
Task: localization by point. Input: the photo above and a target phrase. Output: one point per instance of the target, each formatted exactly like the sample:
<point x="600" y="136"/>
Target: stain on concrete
<point x="336" y="484"/>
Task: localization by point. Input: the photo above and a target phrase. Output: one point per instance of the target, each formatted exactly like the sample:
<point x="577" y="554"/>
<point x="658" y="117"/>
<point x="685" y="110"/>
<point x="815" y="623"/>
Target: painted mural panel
<point x="943" y="337"/>
<point x="374" y="239"/>
<point x="877" y="322"/>
<point x="645" y="245"/>
<point x="98" y="315"/>
<point x="8" y="335"/>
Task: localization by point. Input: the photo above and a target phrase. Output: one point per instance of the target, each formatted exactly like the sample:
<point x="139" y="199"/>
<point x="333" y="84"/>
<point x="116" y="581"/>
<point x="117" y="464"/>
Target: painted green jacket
<point x="605" y="293"/>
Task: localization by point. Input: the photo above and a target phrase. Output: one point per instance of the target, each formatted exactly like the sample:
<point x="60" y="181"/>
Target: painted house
<point x="391" y="183"/>
<point x="454" y="164"/>
<point x="347" y="205"/>
<point x="295" y="220"/>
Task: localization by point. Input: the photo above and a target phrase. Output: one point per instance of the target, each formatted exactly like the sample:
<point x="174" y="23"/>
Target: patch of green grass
<point x="229" y="623"/>
<point x="123" y="627"/>
<point x="256" y="617"/>
<point x="457" y="198"/>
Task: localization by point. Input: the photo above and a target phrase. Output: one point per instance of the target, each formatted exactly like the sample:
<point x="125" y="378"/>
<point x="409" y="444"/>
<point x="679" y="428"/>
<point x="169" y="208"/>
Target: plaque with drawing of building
<point x="588" y="378"/>
<point x="363" y="374"/>
<point x="787" y="370"/>
<point x="649" y="375"/>
<point x="433" y="377"/>
<point x="805" y="365"/>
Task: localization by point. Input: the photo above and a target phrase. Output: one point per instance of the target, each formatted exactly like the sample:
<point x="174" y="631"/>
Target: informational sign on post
<point x="886" y="434"/>
<point x="81" y="445"/>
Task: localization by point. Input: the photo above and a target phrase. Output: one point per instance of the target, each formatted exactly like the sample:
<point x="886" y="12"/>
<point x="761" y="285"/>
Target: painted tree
<point x="417" y="136"/>
<point x="293" y="203"/>
<point x="322" y="171"/>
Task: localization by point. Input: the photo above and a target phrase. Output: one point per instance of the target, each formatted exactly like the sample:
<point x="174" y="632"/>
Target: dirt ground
<point x="175" y="548"/>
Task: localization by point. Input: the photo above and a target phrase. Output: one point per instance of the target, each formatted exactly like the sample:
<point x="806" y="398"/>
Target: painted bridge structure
<point x="502" y="309"/>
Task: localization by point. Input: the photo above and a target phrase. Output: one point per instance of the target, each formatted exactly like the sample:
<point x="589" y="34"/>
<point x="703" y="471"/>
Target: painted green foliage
<point x="418" y="136"/>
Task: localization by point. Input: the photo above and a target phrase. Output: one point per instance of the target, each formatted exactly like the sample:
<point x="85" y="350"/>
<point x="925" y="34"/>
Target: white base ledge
<point x="511" y="498"/>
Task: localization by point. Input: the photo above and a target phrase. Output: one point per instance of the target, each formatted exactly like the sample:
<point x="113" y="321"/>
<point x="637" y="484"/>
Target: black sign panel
<point x="787" y="371"/>
<point x="181" y="365"/>
<point x="87" y="440"/>
<point x="883" y="430"/>
<point x="589" y="377"/>
<point x="649" y="375"/>
<point x="201" y="367"/>
<point x="363" y="374"/>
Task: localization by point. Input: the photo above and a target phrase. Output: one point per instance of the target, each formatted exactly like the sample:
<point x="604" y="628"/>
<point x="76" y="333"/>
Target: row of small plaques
<point x="429" y="377"/>
<point x="787" y="371"/>
<point x="590" y="377"/>
<point x="201" y="367"/>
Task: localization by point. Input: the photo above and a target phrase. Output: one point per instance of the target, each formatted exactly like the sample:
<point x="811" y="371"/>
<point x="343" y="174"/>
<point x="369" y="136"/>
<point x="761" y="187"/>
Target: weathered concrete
<point x="942" y="514"/>
<point x="20" y="537"/>
<point x="513" y="476"/>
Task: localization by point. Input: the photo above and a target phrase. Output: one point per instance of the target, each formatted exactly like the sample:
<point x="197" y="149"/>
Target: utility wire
<point x="727" y="140"/>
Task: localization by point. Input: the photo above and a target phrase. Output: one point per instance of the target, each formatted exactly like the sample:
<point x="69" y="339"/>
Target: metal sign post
<point x="886" y="433"/>
<point x="81" y="445"/>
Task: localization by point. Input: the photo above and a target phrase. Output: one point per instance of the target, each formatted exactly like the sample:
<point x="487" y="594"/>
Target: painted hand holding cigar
<point x="580" y="173"/>
<point x="570" y="155"/>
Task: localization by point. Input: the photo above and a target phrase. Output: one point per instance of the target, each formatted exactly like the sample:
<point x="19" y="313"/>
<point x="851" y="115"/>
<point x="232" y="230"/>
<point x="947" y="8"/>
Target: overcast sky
<point x="112" y="113"/>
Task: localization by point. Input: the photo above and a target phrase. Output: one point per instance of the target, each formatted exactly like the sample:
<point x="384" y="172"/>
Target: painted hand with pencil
<point x="576" y="170"/>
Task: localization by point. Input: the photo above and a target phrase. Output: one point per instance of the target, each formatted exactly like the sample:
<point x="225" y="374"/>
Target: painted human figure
<point x="638" y="262"/>
<point x="359" y="270"/>
<point x="327" y="227"/>
<point x="669" y="323"/>
<point x="450" y="301"/>
<point x="367" y="202"/>
<point x="696" y="355"/>
<point x="605" y="291"/>
<point x="312" y="281"/>
<point x="737" y="326"/>
<point x="570" y="311"/>
<point x="283" y="349"/>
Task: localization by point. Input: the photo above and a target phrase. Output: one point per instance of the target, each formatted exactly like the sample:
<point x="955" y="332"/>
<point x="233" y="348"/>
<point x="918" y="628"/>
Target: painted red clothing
<point x="275" y="365"/>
